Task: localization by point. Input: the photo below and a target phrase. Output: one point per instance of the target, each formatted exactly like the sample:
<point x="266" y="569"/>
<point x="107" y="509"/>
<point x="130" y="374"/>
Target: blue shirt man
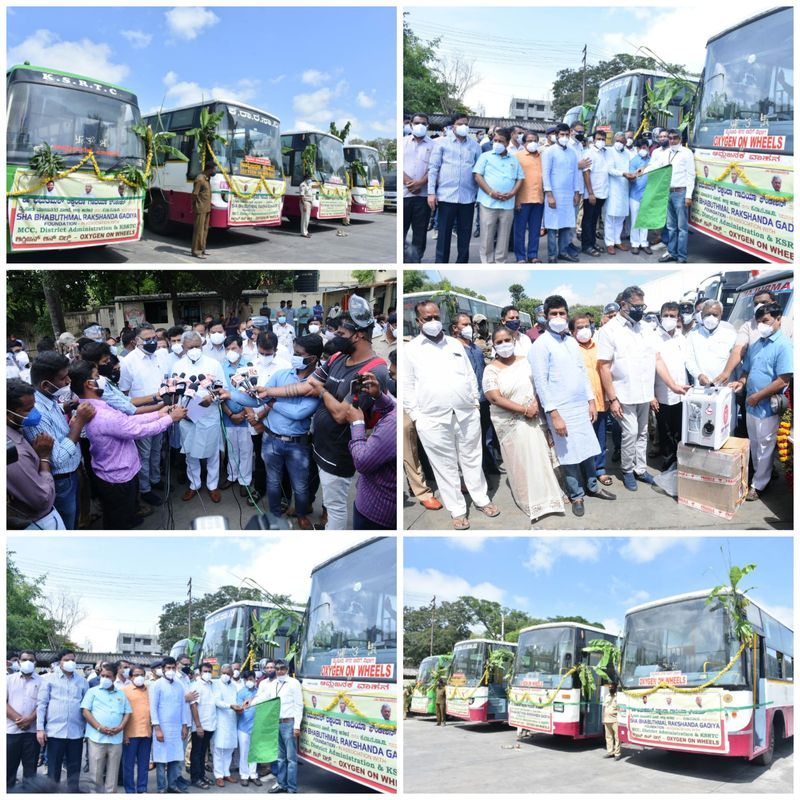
<point x="501" y="172"/>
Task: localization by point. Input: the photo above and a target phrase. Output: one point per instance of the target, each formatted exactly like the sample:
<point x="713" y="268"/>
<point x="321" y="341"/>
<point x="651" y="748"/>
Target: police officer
<point x="201" y="208"/>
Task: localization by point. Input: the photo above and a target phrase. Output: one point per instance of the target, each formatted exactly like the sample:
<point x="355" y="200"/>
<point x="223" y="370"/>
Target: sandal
<point x="460" y="523"/>
<point x="490" y="510"/>
<point x="606" y="480"/>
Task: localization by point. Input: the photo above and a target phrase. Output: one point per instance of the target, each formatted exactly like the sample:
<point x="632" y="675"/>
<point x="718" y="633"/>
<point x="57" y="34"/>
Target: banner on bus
<point x="260" y="209"/>
<point x="524" y="710"/>
<point x="76" y="211"/>
<point x="375" y="199"/>
<point x="688" y="721"/>
<point x="332" y="201"/>
<point x="746" y="200"/>
<point x="350" y="728"/>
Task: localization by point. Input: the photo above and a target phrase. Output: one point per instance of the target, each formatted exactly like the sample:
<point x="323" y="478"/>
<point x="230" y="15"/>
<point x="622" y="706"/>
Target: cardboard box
<point x="714" y="481"/>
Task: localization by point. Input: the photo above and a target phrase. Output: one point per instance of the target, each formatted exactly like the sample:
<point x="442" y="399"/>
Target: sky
<point x="518" y="51"/>
<point x="299" y="64"/>
<point x="123" y="582"/>
<point x="599" y="578"/>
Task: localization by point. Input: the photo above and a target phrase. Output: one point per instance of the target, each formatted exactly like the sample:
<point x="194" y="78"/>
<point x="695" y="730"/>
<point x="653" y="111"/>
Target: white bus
<point x="687" y="683"/>
<point x="366" y="183"/>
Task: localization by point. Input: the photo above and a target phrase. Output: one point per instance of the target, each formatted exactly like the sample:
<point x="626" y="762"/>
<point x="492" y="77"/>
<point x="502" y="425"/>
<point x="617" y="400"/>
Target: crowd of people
<point x="115" y="722"/>
<point x="543" y="405"/>
<point x="282" y="405"/>
<point x="510" y="187"/>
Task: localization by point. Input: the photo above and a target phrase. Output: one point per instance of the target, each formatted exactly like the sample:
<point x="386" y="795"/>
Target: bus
<point x="330" y="173"/>
<point x="688" y="684"/>
<point x="621" y="103"/>
<point x="781" y="284"/>
<point x="367" y="185"/>
<point x="423" y="698"/>
<point x="89" y="124"/>
<point x="452" y="303"/>
<point x="348" y="666"/>
<point x="248" y="186"/>
<point x="743" y="138"/>
<point x="227" y="635"/>
<point x="476" y="692"/>
<point x="545" y="695"/>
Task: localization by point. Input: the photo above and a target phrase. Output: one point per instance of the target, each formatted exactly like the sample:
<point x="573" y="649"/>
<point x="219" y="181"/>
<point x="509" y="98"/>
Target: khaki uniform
<point x="411" y="463"/>
<point x="306" y="200"/>
<point x="441" y="705"/>
<point x="201" y="208"/>
<point x="611" y="725"/>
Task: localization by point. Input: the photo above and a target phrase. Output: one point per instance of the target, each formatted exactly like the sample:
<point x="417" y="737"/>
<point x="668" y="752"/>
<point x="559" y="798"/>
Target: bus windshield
<point x="352" y="610"/>
<point x="619" y="104"/>
<point x="250" y="136"/>
<point x="749" y="82"/>
<point x="469" y="662"/>
<point x="225" y="636"/>
<point x="426" y="669"/>
<point x="372" y="168"/>
<point x="686" y="638"/>
<point x="330" y="159"/>
<point x="543" y="656"/>
<point x="73" y="122"/>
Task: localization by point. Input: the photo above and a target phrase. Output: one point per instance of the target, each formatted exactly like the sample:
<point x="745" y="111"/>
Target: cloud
<point x="83" y="57"/>
<point x="188" y="23"/>
<point x="642" y="549"/>
<point x="139" y="39"/>
<point x="312" y="102"/>
<point x="568" y="293"/>
<point x="543" y="553"/>
<point x="277" y="78"/>
<point x="473" y="544"/>
<point x="315" y="77"/>
<point x="340" y="88"/>
<point x="447" y="587"/>
<point x="364" y="100"/>
<point x="784" y="614"/>
<point x="612" y="625"/>
<point x="384" y="126"/>
<point x="180" y="92"/>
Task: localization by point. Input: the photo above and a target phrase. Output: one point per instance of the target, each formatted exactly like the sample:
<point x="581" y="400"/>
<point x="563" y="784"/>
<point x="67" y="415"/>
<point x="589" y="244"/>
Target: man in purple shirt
<point x="112" y="440"/>
<point x="417" y="150"/>
<point x="22" y="692"/>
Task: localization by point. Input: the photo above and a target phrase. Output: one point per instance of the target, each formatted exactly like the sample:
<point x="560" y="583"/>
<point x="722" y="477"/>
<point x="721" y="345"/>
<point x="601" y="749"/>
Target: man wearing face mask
<point x="452" y="189"/>
<point x="539" y="326"/>
<point x="247" y="772"/>
<point x="384" y="344"/>
<point x="170" y="718"/>
<point x="303" y="317"/>
<point x="138" y="734"/>
<point x="49" y="376"/>
<point x="215" y="347"/>
<point x="284" y="330"/>
<point x="417" y="149"/>
<point x="687" y="317"/>
<point x="617" y="204"/>
<point x="440" y="395"/>
<point x="628" y="356"/>
<point x="204" y="723"/>
<point x="22" y="690"/>
<point x="529" y="205"/>
<point x="112" y="436"/>
<point x="668" y="406"/>
<point x="562" y="187"/>
<point x="225" y="734"/>
<point x="596" y="182"/>
<point x="106" y="710"/>
<point x="141" y="374"/>
<point x="639" y="161"/>
<point x="509" y="316"/>
<point x="709" y="344"/>
<point x="59" y="719"/>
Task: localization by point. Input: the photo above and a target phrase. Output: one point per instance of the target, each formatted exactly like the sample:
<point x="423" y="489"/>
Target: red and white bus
<point x="543" y="696"/>
<point x="247" y="189"/>
<point x="366" y="180"/>
<point x="688" y="684"/>
<point x="476" y="692"/>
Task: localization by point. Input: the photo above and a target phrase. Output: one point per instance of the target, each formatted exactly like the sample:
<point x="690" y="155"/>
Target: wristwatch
<point x="358" y="422"/>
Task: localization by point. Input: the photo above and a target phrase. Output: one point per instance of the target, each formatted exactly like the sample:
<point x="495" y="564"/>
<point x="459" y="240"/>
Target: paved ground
<point x="487" y="759"/>
<point x="370" y="238"/>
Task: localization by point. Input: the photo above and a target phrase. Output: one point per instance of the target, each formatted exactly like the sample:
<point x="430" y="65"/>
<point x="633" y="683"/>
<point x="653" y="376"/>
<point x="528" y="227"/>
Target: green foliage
<point x="517" y="292"/>
<point x="309" y="160"/>
<point x="501" y="659"/>
<point x="443" y="285"/>
<point x="26" y="624"/>
<point x="44" y="162"/>
<point x="413" y="280"/>
<point x="586" y="113"/>
<point x="358" y="170"/>
<point x="132" y="174"/>
<point x="205" y="134"/>
<point x="734" y="600"/>
<point x="340" y="133"/>
<point x="387" y="148"/>
<point x="586" y="678"/>
<point x="264" y="631"/>
<point x="364" y="277"/>
<point x="658" y="99"/>
<point x="608" y="666"/>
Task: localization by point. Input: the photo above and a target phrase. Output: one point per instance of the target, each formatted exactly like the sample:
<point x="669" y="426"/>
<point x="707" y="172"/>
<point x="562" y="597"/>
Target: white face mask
<point x="432" y="327"/>
<point x="668" y="323"/>
<point x="643" y="152"/>
<point x="406" y="129"/>
<point x="558" y="324"/>
<point x="225" y="678"/>
<point x="250" y="684"/>
<point x="313" y="328"/>
<point x="618" y="146"/>
<point x="765" y="330"/>
<point x="106" y="683"/>
<point x="674" y="147"/>
<point x="265" y="361"/>
<point x="504" y="349"/>
<point x="498" y="148"/>
<point x="206" y="676"/>
<point x="68" y="666"/>
<point x="176" y="348"/>
<point x="217" y="338"/>
<point x="232" y="356"/>
<point x="600" y="144"/>
<point x="532" y="147"/>
<point x="552" y="138"/>
<point x="583" y="334"/>
<point x="466" y="333"/>
<point x="419" y="130"/>
<point x="687" y="318"/>
<point x="461" y="130"/>
<point x="26" y="667"/>
<point x="169" y="674"/>
<point x="563" y="140"/>
<point x="194" y="353"/>
<point x="628" y="142"/>
<point x="282" y="678"/>
<point x="519" y="137"/>
<point x="698" y="317"/>
<point x="236" y="674"/>
<point x="159" y="672"/>
<point x="22" y="359"/>
<point x="138" y="680"/>
<point x="710" y="322"/>
<point x="653" y="324"/>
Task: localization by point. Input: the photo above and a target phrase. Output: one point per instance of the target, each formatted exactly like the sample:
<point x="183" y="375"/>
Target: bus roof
<point x="254" y="603"/>
<point x="349" y="550"/>
<point x="312" y="130"/>
<point x="766" y="277"/>
<point x="654" y="72"/>
<point x="567" y="624"/>
<point x="68" y="75"/>
<point x="747" y="21"/>
<point x="227" y="100"/>
<point x="487" y="641"/>
<point x="360" y="147"/>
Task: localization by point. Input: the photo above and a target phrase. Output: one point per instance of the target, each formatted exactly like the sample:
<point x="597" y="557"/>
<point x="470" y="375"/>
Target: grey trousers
<point x="634" y="437"/>
<point x="150" y="456"/>
<point x="495" y="222"/>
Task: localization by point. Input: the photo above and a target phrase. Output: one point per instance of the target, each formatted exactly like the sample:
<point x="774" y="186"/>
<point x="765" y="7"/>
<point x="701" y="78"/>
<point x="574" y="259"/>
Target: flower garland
<point x="747" y="182"/>
<point x="527" y="700"/>
<point x="262" y="181"/>
<point x="784" y="446"/>
<point x="352" y="706"/>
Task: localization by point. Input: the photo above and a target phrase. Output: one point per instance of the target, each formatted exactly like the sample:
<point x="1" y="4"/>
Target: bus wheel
<point x="158" y="216"/>
<point x="765" y="759"/>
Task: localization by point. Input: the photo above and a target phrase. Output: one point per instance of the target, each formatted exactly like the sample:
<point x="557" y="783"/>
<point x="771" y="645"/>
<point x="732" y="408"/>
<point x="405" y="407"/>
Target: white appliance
<point x="708" y="416"/>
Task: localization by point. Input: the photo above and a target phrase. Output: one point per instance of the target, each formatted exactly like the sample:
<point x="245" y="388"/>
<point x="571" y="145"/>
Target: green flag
<point x="653" y="208"/>
<point x="264" y="736"/>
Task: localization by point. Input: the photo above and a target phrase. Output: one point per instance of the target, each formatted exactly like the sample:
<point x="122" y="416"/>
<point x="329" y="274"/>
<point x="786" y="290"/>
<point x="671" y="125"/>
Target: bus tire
<point x="158" y="215"/>
<point x="765" y="759"/>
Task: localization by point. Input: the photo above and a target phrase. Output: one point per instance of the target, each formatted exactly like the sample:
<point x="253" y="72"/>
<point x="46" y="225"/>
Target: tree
<point x="53" y="299"/>
<point x="457" y="76"/>
<point x="341" y="133"/>
<point x="64" y="612"/>
<point x="420" y="283"/>
<point x="413" y="280"/>
<point x="364" y="277"/>
<point x="26" y="624"/>
<point x="517" y="292"/>
<point x="567" y="85"/>
<point x="451" y="624"/>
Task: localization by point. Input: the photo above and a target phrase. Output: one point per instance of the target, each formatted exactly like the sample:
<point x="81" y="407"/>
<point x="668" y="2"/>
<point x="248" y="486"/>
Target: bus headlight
<point x="224" y="197"/>
<point x="471" y="700"/>
<point x="558" y="707"/>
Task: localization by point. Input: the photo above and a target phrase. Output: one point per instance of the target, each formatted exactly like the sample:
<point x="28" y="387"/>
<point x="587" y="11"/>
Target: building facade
<point x="137" y="644"/>
<point x="523" y="109"/>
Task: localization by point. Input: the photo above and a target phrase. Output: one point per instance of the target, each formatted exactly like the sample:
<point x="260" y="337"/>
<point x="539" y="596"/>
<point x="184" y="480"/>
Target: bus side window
<point x="288" y="158"/>
<point x="788" y="668"/>
<point x="297" y="168"/>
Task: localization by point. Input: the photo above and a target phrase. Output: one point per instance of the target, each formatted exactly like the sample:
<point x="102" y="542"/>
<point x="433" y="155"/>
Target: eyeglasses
<point x="430" y="317"/>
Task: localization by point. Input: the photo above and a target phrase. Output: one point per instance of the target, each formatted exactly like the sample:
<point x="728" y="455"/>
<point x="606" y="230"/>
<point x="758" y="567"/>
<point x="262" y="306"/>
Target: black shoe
<point x="577" y="507"/>
<point x="568" y="257"/>
<point x="159" y="485"/>
<point x="476" y="234"/>
<point x="151" y="498"/>
<point x="665" y="258"/>
<point x="276" y="789"/>
<point x="602" y="494"/>
<point x="616" y="456"/>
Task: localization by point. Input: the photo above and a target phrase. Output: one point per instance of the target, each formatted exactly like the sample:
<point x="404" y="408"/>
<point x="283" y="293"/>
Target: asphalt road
<point x="488" y="759"/>
<point x="370" y="238"/>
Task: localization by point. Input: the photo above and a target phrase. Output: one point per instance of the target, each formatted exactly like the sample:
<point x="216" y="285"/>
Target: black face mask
<point x="344" y="345"/>
<point x="106" y="370"/>
<point x="186" y="670"/>
<point x="580" y="136"/>
<point x="271" y="673"/>
<point x="150" y="345"/>
<point x="636" y="313"/>
<point x="664" y="144"/>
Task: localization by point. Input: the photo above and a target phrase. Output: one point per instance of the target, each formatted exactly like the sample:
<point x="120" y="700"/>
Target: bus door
<point x="497" y="704"/>
<point x="591" y="717"/>
<point x="760" y="697"/>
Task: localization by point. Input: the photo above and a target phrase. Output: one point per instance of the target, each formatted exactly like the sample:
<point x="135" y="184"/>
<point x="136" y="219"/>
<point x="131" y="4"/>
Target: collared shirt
<point x="599" y="172"/>
<point x="285" y="334"/>
<point x="559" y="372"/>
<point x="141" y="373"/>
<point x="531" y="190"/>
<point x="382" y="346"/>
<point x="707" y="351"/>
<point x="66" y="455"/>
<point x="438" y="379"/>
<point x="673" y="353"/>
<point x="290" y="694"/>
<point x="117" y="399"/>
<point x="217" y="353"/>
<point x="138" y="726"/>
<point x="108" y="707"/>
<point x="631" y="350"/>
<point x="32" y="492"/>
<point x="245" y="720"/>
<point x="640" y="184"/>
<point x="682" y="167"/>
<point x="22" y="692"/>
<point x="589" y="353"/>
<point x="764" y="362"/>
<point x="747" y="334"/>
<point x="112" y="440"/>
<point x="450" y="169"/>
<point x="501" y="173"/>
<point x="290" y="416"/>
<point x="206" y="705"/>
<point x="475" y="356"/>
<point x="416" y="158"/>
<point x="58" y="707"/>
<point x="610" y="708"/>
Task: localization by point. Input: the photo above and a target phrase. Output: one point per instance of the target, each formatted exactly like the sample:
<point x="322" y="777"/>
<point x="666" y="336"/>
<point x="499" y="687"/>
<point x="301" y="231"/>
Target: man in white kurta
<point x="618" y="202"/>
<point x="169" y="715"/>
<point x="567" y="397"/>
<point x="440" y="395"/>
<point x="225" y="734"/>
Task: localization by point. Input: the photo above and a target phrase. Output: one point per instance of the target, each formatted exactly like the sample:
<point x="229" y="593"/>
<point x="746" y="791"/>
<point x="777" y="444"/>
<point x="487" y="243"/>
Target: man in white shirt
<point x="141" y="373"/>
<point x="225" y="734"/>
<point x="284" y="330"/>
<point x="290" y="693"/>
<point x="595" y="179"/>
<point x="440" y="395"/>
<point x="668" y="404"/>
<point x="509" y="316"/>
<point x="214" y="347"/>
<point x="628" y="357"/>
<point x="709" y="344"/>
<point x="681" y="187"/>
<point x="204" y="723"/>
